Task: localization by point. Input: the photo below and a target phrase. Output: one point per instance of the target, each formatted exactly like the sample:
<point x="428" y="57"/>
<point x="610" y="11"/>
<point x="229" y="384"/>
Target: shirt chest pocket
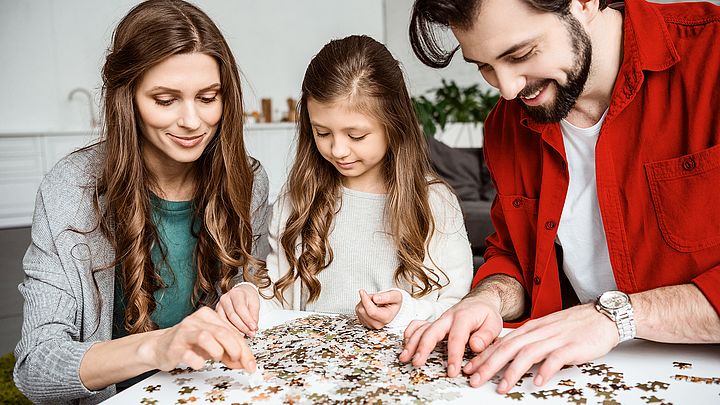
<point x="683" y="193"/>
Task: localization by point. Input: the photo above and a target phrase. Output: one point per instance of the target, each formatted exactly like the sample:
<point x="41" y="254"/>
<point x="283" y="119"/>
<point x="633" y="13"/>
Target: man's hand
<point x="377" y="310"/>
<point x="475" y="320"/>
<point x="572" y="336"/>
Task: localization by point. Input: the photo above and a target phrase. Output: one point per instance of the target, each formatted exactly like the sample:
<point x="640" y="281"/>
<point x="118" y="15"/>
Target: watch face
<point x="613" y="300"/>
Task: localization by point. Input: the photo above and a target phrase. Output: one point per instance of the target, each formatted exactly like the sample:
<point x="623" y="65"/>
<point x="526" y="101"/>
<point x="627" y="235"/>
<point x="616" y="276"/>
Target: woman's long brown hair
<point x="363" y="71"/>
<point x="147" y="35"/>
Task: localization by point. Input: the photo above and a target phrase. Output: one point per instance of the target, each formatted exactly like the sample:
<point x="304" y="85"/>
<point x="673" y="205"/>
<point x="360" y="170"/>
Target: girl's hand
<point x="201" y="336"/>
<point x="241" y="307"/>
<point x="377" y="310"/>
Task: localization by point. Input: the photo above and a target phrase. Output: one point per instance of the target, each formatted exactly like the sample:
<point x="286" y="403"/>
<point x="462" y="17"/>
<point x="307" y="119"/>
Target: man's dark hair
<point x="427" y="15"/>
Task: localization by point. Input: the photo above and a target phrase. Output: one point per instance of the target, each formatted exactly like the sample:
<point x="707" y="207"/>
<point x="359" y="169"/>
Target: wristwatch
<point x="616" y="306"/>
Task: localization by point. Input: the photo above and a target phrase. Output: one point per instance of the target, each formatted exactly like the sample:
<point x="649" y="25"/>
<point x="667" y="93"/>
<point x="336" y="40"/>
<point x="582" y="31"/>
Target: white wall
<point x="50" y="47"/>
<point x="421" y="78"/>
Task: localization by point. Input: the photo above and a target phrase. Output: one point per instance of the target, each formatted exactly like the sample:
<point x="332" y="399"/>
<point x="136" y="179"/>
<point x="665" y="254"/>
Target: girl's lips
<point x="345" y="166"/>
<point x="187" y="141"/>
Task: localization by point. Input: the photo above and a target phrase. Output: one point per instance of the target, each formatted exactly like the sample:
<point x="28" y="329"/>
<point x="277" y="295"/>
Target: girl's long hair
<point x="363" y="71"/>
<point x="150" y="33"/>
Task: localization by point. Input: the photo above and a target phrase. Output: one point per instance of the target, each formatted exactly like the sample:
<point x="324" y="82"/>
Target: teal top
<point x="173" y="220"/>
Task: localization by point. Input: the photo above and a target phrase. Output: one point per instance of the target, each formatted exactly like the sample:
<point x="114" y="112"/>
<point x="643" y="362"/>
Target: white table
<point x="645" y="368"/>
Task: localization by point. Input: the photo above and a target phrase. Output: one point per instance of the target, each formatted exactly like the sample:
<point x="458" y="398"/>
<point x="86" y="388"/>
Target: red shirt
<point x="657" y="166"/>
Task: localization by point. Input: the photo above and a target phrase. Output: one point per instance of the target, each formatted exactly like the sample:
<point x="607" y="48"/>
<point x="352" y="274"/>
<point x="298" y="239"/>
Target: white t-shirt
<point x="586" y="261"/>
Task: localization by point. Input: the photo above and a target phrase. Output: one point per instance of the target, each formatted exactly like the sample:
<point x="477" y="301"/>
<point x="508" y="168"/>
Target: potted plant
<point x="450" y="104"/>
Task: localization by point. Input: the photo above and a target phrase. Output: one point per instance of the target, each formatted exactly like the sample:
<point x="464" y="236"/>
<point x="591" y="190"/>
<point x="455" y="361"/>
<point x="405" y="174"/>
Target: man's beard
<point x="568" y="93"/>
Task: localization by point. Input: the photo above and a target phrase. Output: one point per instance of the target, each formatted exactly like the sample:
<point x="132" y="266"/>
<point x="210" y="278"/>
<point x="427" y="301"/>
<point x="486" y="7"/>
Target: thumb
<point x="387" y="297"/>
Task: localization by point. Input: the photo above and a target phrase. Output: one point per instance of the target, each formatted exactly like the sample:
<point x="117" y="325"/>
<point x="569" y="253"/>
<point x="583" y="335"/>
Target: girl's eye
<point x="164" y="102"/>
<point x="357" y="137"/>
<point x="321" y="134"/>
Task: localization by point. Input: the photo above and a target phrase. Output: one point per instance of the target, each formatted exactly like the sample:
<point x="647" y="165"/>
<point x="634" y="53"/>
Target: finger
<point x="232" y="318"/>
<point x="193" y="360"/>
<point x="457" y="340"/>
<point x="370" y="308"/>
<point x="206" y="340"/>
<point x="434" y="333"/>
<point x="412" y="341"/>
<point x="482" y="338"/>
<point x="525" y="359"/>
<point x="365" y="300"/>
<point x="551" y="366"/>
<point x="247" y="304"/>
<point x="411" y="328"/>
<point x="241" y="315"/>
<point x="387" y="298"/>
<point x="246" y="360"/>
<point x="362" y="316"/>
<point x="254" y="309"/>
<point x="504" y="350"/>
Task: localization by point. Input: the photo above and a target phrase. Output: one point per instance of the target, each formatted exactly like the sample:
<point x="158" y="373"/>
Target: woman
<point x="135" y="236"/>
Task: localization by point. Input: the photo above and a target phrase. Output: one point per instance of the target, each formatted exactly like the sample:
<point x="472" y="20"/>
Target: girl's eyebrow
<point x="352" y="128"/>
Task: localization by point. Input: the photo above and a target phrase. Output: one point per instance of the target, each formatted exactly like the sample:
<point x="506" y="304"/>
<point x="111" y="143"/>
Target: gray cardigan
<point x="68" y="302"/>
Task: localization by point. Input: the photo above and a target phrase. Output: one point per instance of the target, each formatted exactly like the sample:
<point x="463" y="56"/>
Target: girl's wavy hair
<point x="150" y="33"/>
<point x="362" y="71"/>
<point x="429" y="15"/>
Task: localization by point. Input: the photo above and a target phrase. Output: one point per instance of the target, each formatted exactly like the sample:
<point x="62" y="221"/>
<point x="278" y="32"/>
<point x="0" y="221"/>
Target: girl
<point x="132" y="237"/>
<point x="363" y="209"/>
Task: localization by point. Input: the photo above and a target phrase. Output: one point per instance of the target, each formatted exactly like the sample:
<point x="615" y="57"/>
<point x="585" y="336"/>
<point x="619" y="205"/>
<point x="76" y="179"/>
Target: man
<point x="606" y="155"/>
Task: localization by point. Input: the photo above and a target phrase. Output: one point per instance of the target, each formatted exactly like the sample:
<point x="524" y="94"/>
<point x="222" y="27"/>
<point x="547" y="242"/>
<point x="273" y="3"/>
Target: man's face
<point x="541" y="59"/>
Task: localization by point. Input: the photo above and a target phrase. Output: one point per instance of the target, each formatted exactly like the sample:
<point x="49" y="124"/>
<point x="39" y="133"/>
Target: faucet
<point x="93" y="121"/>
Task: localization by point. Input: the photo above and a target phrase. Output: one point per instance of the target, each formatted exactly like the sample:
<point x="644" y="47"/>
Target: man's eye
<point x="524" y="57"/>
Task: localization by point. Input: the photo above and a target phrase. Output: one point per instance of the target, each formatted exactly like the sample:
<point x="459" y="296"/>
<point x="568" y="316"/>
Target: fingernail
<point x="403" y="353"/>
<point x="252" y="365"/>
<point x="539" y="380"/>
<point x="503" y="385"/>
<point x="452" y="369"/>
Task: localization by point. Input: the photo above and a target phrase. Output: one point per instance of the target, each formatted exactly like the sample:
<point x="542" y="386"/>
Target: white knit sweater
<point x="365" y="257"/>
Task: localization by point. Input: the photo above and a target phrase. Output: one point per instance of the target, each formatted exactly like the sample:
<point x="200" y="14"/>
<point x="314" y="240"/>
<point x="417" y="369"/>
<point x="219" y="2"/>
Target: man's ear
<point x="585" y="11"/>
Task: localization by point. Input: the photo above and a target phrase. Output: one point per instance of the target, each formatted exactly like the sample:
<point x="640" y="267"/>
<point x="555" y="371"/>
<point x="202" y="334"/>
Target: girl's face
<point x="180" y="107"/>
<point x="355" y="143"/>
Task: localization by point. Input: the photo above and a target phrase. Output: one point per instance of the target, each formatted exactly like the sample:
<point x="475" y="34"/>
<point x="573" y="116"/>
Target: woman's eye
<point x="208" y="100"/>
<point x="164" y="101"/>
<point x="321" y="134"/>
<point x="357" y="137"/>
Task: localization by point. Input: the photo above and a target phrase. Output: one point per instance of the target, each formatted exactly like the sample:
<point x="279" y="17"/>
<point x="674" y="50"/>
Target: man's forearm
<point x="675" y="314"/>
<point x="505" y="291"/>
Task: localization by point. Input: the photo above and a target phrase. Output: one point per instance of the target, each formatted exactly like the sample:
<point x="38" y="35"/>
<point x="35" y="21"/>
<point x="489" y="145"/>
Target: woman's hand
<point x="378" y="309"/>
<point x="241" y="307"/>
<point x="201" y="336"/>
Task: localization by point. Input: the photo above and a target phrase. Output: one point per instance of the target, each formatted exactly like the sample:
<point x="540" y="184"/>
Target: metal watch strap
<point x="625" y="323"/>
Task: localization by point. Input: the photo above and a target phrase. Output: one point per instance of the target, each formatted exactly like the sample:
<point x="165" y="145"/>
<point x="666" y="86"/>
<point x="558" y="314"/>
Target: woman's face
<point x="180" y="107"/>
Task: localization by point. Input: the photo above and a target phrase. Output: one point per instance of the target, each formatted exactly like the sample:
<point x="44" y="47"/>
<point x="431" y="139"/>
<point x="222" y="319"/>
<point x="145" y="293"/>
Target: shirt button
<point x="537" y="280"/>
<point x="517" y="203"/>
<point x="549" y="225"/>
<point x="688" y="164"/>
